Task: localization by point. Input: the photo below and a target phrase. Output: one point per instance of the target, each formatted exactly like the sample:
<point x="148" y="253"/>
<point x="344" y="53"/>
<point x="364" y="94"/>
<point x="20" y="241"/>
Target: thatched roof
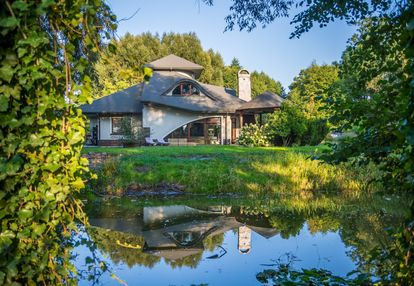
<point x="265" y="101"/>
<point x="213" y="99"/>
<point x="126" y="101"/>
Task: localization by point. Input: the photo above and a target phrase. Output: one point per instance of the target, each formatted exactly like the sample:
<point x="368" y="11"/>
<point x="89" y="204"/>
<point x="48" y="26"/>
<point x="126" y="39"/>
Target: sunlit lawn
<point x="227" y="169"/>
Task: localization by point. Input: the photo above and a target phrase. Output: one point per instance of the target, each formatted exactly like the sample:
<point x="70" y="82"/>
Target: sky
<point x="269" y="49"/>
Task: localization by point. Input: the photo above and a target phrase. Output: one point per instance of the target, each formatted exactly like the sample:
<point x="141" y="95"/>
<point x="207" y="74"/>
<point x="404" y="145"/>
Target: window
<point x="116" y="125"/>
<point x="184" y="89"/>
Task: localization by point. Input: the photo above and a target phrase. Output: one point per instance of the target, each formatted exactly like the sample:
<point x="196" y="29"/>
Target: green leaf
<point x="25" y="214"/>
<point x="9" y="22"/>
<point x="6" y="239"/>
<point x="20" y="5"/>
<point x="2" y="277"/>
<point x="6" y="73"/>
<point x="4" y="103"/>
<point x="39" y="229"/>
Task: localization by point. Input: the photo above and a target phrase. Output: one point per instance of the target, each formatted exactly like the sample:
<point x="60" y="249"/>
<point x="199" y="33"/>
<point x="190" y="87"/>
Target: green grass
<point x="229" y="169"/>
<point x="201" y="150"/>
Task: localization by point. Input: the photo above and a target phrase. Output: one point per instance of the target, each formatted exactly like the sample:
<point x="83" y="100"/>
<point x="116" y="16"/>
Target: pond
<point x="216" y="242"/>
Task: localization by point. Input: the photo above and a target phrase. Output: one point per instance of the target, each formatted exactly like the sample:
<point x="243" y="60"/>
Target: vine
<point x="45" y="53"/>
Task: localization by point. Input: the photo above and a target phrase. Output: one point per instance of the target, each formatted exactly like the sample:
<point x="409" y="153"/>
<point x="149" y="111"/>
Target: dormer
<point x="175" y="63"/>
<point x="185" y="88"/>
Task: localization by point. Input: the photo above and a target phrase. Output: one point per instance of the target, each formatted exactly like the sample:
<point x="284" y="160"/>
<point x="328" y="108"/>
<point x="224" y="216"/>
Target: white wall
<point x="164" y="120"/>
<point x="106" y="127"/>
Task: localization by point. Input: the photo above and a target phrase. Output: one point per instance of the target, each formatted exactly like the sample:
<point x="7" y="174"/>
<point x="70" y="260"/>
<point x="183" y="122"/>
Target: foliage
<point x="376" y="95"/>
<point x="288" y="124"/>
<point x="132" y="134"/>
<point x="303" y="116"/>
<point x="247" y="15"/>
<point x="253" y="135"/>
<point x="261" y="82"/>
<point x="310" y="89"/>
<point x="286" y="276"/>
<point x="373" y="71"/>
<point x="123" y="68"/>
<point x="122" y="247"/>
<point x="46" y="48"/>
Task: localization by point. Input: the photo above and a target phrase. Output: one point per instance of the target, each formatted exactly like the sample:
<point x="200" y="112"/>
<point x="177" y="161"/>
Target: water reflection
<point x="176" y="232"/>
<point x="184" y="245"/>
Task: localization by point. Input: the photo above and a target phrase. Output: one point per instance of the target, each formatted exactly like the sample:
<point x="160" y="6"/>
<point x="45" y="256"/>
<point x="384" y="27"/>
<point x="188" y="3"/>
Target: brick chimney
<point x="244" y="85"/>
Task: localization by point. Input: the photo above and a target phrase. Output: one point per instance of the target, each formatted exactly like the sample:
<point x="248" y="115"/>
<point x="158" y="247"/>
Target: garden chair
<point x="150" y="142"/>
<point x="161" y="142"/>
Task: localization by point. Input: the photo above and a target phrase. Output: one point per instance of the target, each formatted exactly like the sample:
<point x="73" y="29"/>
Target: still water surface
<point x="226" y="245"/>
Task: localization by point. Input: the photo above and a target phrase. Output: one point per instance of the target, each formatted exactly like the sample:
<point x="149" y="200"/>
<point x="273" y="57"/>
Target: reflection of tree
<point x="211" y="242"/>
<point x="127" y="248"/>
<point x="114" y="244"/>
<point x="287" y="223"/>
<point x="323" y="223"/>
<point x="190" y="260"/>
<point x="365" y="232"/>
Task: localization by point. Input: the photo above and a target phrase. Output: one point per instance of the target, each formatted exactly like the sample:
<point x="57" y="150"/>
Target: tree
<point x="386" y="16"/>
<point x="46" y="47"/>
<point x="262" y="82"/>
<point x="123" y="68"/>
<point x="310" y="89"/>
<point x="373" y="70"/>
<point x="230" y="74"/>
<point x="288" y="124"/>
<point x="378" y="79"/>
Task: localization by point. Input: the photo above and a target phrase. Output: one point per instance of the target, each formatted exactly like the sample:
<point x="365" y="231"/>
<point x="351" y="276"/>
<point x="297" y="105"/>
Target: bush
<point x="316" y="131"/>
<point x="253" y="135"/>
<point x="287" y="125"/>
<point x="131" y="133"/>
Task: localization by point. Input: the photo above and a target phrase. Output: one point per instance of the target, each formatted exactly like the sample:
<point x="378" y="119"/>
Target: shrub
<point x="131" y="133"/>
<point x="253" y="135"/>
<point x="316" y="131"/>
<point x="287" y="125"/>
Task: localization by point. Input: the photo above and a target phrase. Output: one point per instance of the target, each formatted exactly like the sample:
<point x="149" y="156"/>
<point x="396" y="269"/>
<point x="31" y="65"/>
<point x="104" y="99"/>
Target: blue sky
<point x="269" y="49"/>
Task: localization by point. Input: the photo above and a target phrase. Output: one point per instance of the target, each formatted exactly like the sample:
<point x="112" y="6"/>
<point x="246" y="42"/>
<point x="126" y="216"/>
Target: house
<point x="174" y="106"/>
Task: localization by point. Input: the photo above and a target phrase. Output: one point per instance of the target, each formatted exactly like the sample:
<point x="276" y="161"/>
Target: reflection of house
<point x="174" y="105"/>
<point x="174" y="232"/>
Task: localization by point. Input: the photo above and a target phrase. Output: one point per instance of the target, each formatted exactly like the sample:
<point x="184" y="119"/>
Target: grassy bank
<point x="227" y="169"/>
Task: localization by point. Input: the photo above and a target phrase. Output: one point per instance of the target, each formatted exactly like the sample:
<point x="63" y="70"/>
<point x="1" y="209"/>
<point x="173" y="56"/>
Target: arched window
<point x="185" y="88"/>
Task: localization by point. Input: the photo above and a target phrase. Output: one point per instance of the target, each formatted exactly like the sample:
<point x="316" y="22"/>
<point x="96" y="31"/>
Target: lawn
<point x="227" y="170"/>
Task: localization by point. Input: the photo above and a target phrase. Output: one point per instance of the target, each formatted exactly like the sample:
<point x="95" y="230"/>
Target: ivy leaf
<point x="25" y="214"/>
<point x="9" y="22"/>
<point x="20" y="5"/>
<point x="6" y="239"/>
<point x="6" y="73"/>
<point x="4" y="103"/>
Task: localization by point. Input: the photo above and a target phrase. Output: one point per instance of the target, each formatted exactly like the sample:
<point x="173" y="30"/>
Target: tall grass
<point x="230" y="169"/>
